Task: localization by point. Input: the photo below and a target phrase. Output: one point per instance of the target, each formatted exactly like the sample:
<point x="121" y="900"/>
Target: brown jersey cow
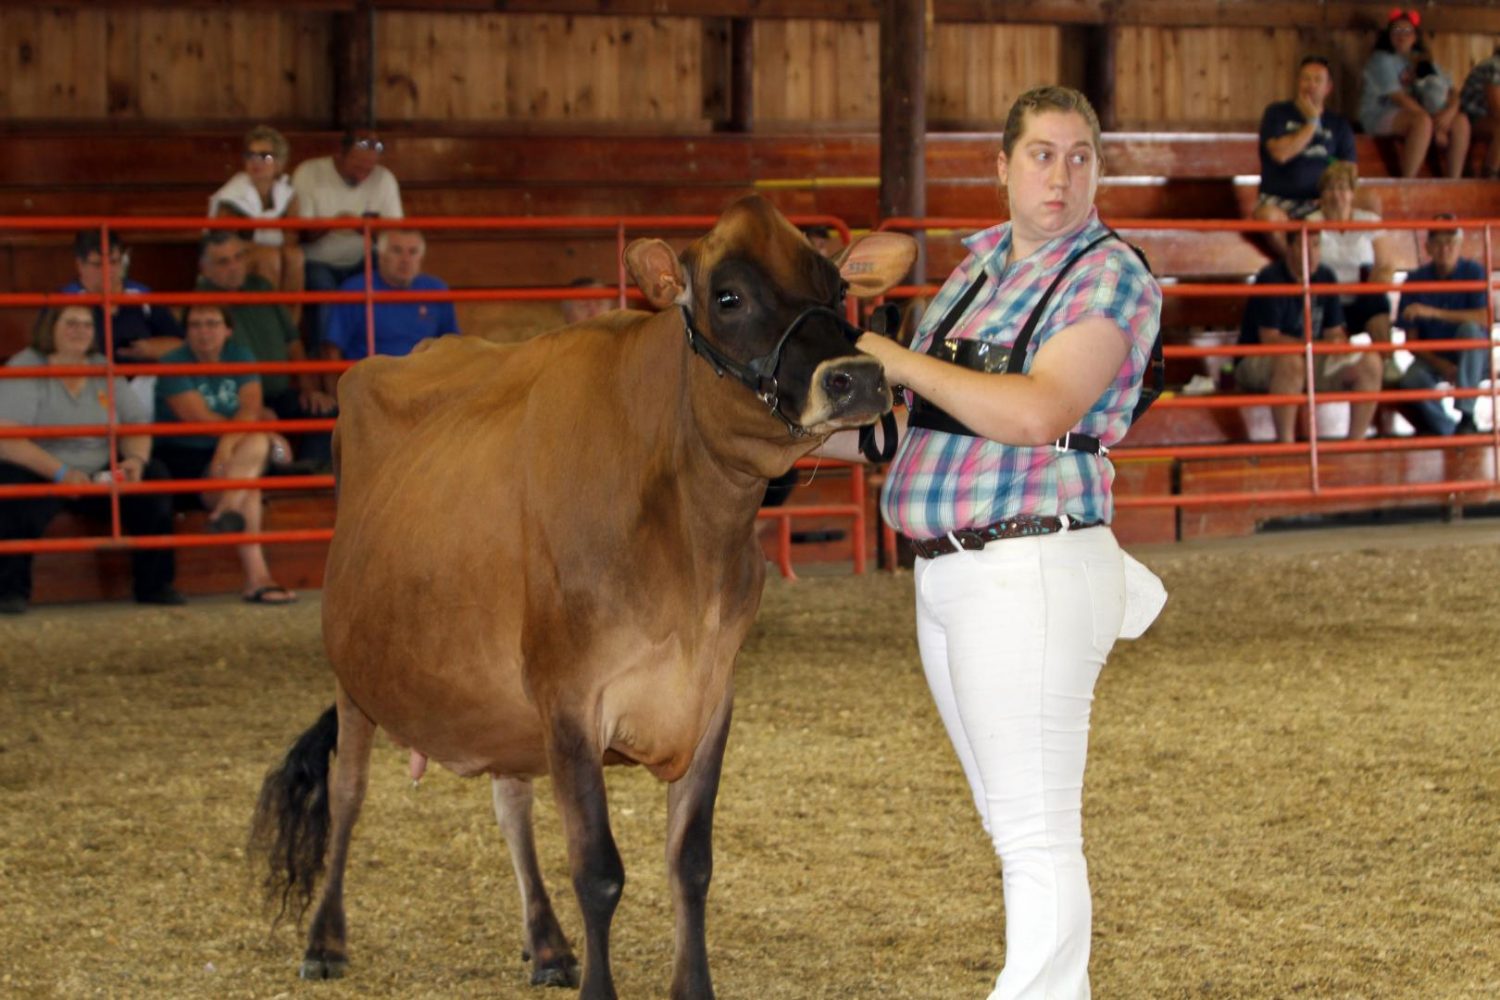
<point x="545" y="561"/>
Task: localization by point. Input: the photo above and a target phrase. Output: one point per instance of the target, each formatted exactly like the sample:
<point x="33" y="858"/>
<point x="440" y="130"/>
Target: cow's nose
<point x="853" y="376"/>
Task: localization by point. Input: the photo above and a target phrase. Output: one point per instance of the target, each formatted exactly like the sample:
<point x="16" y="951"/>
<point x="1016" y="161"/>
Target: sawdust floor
<point x="1293" y="791"/>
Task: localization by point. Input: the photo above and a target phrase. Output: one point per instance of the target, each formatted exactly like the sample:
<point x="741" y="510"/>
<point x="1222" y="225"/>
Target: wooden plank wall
<point x="164" y="64"/>
<point x="189" y="64"/>
<point x="533" y="68"/>
<point x="976" y="71"/>
<point x="1224" y="77"/>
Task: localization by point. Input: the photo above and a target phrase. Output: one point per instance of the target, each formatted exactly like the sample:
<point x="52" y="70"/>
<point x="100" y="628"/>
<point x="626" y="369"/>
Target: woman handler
<point x="1003" y="487"/>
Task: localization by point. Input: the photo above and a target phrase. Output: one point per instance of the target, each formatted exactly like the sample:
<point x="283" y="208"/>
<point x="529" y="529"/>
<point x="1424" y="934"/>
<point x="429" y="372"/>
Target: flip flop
<point x="268" y="595"/>
<point x="231" y="522"/>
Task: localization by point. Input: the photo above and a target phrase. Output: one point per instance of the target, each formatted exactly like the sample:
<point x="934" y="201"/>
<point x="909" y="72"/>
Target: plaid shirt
<point x="941" y="482"/>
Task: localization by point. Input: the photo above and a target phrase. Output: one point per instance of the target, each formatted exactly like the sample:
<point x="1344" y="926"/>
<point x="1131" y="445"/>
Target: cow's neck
<point x="719" y="430"/>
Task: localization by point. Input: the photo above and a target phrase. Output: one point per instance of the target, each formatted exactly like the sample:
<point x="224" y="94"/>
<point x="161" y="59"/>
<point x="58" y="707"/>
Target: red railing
<point x="856" y="508"/>
<point x="619" y="225"/>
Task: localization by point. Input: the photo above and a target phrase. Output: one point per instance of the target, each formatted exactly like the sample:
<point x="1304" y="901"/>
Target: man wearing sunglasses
<point x="349" y="184"/>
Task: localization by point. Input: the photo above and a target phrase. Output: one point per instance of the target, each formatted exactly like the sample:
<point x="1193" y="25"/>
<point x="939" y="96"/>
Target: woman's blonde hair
<point x="1339" y="172"/>
<point x="279" y="145"/>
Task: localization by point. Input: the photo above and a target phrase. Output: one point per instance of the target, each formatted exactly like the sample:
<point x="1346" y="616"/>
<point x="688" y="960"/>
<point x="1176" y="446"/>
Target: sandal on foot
<point x="271" y="593"/>
<point x="231" y="522"/>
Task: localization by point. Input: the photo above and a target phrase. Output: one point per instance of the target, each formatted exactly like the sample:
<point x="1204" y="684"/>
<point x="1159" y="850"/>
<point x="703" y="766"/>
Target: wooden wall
<point x="1170" y="77"/>
<point x="164" y="64"/>
<point x="976" y="71"/>
<point x="534" y="68"/>
<point x="204" y="63"/>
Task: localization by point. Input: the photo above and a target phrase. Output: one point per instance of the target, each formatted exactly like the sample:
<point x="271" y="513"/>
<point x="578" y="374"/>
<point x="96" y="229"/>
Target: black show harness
<point x="759" y="373"/>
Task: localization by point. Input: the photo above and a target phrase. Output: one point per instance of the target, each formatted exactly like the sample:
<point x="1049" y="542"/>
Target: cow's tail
<point x="290" y="826"/>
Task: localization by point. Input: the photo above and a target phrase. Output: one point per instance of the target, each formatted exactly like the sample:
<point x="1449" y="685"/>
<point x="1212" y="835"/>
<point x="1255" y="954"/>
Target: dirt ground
<point x="1293" y="791"/>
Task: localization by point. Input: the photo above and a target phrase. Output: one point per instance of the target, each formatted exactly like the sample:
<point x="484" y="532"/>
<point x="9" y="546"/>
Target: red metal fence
<point x="855" y="509"/>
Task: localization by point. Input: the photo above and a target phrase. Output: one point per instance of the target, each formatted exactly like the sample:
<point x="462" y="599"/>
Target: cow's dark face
<point x="796" y="340"/>
<point x="763" y="296"/>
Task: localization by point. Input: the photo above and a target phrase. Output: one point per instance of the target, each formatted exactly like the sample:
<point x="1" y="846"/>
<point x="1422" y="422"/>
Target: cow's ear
<point x="876" y="262"/>
<point x="656" y="271"/>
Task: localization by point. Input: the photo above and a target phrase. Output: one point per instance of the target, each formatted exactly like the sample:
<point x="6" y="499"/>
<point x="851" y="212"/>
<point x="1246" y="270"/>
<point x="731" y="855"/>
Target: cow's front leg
<point x="575" y="763"/>
<point x="690" y="859"/>
<point x="552" y="961"/>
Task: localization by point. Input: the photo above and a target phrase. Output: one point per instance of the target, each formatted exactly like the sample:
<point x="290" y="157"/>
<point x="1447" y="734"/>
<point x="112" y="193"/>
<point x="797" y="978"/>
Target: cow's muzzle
<point x="760" y="374"/>
<point x="846" y="392"/>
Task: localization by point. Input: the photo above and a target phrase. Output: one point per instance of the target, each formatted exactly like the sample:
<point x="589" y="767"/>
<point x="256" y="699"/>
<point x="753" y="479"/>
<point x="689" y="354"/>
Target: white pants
<point x="1012" y="639"/>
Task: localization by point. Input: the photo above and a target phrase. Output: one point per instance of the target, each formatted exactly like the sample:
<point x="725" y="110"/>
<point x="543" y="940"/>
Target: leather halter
<point x="759" y="373"/>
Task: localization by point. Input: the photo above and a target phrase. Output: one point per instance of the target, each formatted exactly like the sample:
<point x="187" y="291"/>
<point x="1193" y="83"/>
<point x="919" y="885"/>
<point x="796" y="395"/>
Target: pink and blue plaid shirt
<point x="941" y="482"/>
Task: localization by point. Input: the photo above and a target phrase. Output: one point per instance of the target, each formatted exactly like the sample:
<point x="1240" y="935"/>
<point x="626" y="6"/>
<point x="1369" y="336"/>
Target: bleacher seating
<point x="1150" y="176"/>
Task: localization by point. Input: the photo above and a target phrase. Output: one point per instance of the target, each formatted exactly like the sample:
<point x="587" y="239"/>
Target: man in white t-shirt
<point x="349" y="184"/>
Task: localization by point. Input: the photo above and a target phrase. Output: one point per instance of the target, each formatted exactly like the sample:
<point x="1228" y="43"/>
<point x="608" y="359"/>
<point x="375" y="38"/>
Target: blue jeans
<point x="320" y="277"/>
<point x="1428" y="415"/>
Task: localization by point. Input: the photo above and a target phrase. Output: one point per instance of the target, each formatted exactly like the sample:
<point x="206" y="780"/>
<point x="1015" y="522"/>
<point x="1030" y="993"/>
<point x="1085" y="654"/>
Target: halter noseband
<point x="759" y="373"/>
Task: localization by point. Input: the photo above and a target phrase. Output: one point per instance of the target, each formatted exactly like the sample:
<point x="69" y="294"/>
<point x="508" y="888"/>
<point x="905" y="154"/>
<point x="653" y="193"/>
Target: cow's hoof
<point x="563" y="972"/>
<point x="323" y="967"/>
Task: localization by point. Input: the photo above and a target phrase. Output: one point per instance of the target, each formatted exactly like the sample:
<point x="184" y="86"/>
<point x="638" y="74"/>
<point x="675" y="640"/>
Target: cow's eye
<point x="728" y="300"/>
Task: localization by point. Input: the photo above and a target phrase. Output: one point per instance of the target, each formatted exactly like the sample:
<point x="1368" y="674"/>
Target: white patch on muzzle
<point x="830" y="407"/>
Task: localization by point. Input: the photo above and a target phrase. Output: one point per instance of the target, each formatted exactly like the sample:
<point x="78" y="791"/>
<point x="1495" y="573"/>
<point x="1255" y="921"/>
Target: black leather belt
<point x="978" y="538"/>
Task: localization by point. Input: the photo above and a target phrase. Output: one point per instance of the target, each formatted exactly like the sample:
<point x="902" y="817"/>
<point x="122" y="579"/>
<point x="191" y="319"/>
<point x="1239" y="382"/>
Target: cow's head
<point x="762" y="305"/>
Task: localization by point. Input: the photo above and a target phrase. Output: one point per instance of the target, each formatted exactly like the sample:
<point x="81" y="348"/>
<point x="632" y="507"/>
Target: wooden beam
<point x="1100" y="43"/>
<point x="1471" y="17"/>
<point x="903" y="108"/>
<point x="741" y="74"/>
<point x="353" y="44"/>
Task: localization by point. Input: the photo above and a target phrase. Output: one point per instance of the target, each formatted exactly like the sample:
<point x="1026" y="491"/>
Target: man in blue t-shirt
<point x="1278" y="319"/>
<point x="1455" y="315"/>
<point x="1298" y="139"/>
<point x="398" y="325"/>
<point x="139" y="332"/>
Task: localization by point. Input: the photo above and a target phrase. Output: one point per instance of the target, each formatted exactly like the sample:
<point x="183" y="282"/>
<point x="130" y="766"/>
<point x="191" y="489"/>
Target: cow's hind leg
<point x="576" y="765"/>
<point x="552" y="961"/>
<point x="690" y="862"/>
<point x="305" y="806"/>
<point x="327" y="954"/>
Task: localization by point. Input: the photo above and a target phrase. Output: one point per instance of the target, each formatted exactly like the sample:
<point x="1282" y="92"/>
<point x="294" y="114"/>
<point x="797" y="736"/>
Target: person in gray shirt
<point x="66" y="337"/>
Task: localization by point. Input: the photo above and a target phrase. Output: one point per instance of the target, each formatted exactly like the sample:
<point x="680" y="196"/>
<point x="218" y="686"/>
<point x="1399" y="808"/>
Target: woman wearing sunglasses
<point x="263" y="190"/>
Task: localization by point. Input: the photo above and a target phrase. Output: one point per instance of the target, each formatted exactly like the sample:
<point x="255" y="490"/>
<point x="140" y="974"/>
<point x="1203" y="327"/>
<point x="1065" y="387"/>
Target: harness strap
<point x="930" y="416"/>
<point x="759" y="374"/>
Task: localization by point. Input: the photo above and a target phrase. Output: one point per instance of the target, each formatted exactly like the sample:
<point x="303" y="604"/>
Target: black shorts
<point x="1357" y="314"/>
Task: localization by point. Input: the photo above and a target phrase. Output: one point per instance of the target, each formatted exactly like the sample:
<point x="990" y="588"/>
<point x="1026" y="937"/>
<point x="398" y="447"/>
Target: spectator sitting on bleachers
<point x="1404" y="93"/>
<point x="1298" y="139"/>
<point x="351" y="183"/>
<point x="1278" y="319"/>
<point x="398" y="325"/>
<point x="1355" y="255"/>
<point x="1455" y="315"/>
<point x="264" y="191"/>
<point x="140" y="332"/>
<point x="1480" y="101"/>
<point x="267" y="332"/>
<point x="66" y="337"/>
<point x="203" y="398"/>
<point x="578" y="310"/>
